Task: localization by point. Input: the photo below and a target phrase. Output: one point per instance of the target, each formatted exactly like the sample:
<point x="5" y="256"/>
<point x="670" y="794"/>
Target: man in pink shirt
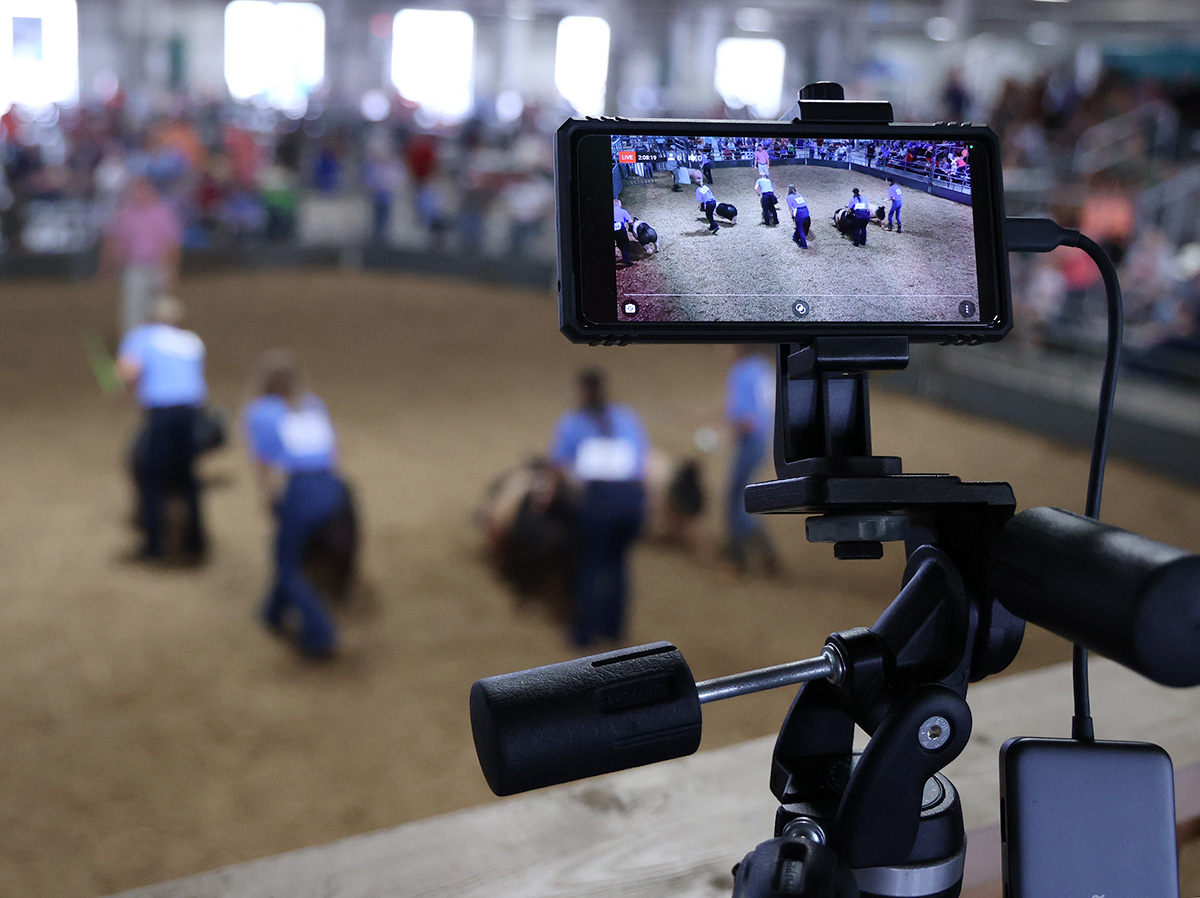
<point x="762" y="161"/>
<point x="143" y="243"/>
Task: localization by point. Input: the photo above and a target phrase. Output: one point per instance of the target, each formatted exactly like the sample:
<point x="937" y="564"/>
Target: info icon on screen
<point x="800" y="308"/>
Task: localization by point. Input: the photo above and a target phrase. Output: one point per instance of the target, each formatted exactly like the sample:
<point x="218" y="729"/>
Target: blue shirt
<point x="704" y="195"/>
<point x="171" y="362"/>
<point x="621" y="217"/>
<point x="299" y="438"/>
<point x="894" y="193"/>
<point x="764" y="185"/>
<point x="750" y="395"/>
<point x="796" y="202"/>
<point x="609" y="446"/>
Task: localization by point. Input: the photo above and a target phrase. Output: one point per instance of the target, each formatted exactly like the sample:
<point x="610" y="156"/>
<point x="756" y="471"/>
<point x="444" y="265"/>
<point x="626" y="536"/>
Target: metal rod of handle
<point x="827" y="665"/>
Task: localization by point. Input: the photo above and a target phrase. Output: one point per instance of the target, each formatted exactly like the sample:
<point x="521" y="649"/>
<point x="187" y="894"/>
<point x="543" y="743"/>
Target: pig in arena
<point x="527" y="516"/>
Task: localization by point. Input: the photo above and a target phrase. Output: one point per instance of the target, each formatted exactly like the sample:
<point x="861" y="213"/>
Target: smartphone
<point x="718" y="231"/>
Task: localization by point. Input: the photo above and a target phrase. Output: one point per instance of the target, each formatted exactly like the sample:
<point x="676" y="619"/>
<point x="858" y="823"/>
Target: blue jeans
<point x="310" y="500"/>
<point x="894" y="210"/>
<point x="743" y="527"/>
<point x="861" y="220"/>
<point x="164" y="463"/>
<point x="802" y="219"/>
<point x="607" y="521"/>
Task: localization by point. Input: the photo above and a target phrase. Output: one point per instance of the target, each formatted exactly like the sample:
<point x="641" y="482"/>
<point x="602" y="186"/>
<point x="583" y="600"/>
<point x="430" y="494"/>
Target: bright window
<point x="750" y="73"/>
<point x="274" y="52"/>
<point x="581" y="62"/>
<point x="39" y="53"/>
<point x="433" y="61"/>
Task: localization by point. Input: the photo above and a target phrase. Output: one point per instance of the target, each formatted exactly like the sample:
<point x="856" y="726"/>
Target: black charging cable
<point x="1041" y="235"/>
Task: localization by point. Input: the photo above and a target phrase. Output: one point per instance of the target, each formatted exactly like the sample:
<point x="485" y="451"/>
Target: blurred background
<point x="371" y="186"/>
<point x="364" y="134"/>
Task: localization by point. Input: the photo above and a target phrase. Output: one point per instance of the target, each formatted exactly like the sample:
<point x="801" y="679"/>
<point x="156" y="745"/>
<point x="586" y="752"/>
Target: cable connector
<point x="1037" y="235"/>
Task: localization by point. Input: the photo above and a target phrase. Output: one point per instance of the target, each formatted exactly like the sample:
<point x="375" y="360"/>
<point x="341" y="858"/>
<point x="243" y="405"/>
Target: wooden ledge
<point x="677" y="829"/>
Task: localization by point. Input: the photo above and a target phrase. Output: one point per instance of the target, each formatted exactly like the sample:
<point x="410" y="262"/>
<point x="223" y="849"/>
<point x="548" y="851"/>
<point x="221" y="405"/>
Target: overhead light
<point x="427" y="40"/>
<point x="1044" y="34"/>
<point x="752" y="18"/>
<point x="581" y="62"/>
<point x="749" y="72"/>
<point x="940" y="28"/>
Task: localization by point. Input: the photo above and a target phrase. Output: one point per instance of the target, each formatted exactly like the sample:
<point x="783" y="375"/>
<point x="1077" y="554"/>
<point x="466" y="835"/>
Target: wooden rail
<point x="677" y="828"/>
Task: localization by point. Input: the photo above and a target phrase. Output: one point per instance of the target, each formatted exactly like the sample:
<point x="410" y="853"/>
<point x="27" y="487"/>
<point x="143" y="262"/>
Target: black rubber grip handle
<point x="1128" y="597"/>
<point x="584" y="717"/>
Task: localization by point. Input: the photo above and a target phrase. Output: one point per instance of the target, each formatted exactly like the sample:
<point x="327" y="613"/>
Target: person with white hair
<point x="163" y="364"/>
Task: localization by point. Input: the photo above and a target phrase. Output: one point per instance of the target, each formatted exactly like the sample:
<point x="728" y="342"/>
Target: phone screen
<point x="824" y="230"/>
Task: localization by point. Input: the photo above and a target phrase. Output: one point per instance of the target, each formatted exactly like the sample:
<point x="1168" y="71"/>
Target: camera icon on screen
<point x="629" y="308"/>
<point x="801" y="308"/>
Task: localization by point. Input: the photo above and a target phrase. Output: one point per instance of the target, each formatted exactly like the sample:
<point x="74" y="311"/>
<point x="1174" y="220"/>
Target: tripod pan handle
<point x="584" y="717"/>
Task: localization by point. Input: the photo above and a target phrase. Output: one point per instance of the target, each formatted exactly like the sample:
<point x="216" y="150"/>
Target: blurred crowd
<point x="238" y="175"/>
<point x="1091" y="160"/>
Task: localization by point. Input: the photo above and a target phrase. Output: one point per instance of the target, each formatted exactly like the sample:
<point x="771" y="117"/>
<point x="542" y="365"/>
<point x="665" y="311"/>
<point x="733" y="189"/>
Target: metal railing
<point x="1171" y="206"/>
<point x="1149" y="131"/>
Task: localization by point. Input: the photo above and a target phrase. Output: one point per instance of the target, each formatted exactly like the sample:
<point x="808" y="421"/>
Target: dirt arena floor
<point x="753" y="272"/>
<point x="153" y="730"/>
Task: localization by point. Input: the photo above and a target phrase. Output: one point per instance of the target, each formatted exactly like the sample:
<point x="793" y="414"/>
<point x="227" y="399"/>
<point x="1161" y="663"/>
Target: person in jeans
<point x="750" y="415"/>
<point x="163" y="364"/>
<point x="293" y="446"/>
<point x="602" y="447"/>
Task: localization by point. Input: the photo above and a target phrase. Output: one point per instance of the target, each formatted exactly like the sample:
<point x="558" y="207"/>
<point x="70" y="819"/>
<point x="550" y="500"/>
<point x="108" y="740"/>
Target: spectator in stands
<point x="143" y="244"/>
<point x="280" y="194"/>
<point x="1108" y="217"/>
<point x="327" y="169"/>
<point x="382" y="176"/>
<point x="530" y="203"/>
<point x="955" y="98"/>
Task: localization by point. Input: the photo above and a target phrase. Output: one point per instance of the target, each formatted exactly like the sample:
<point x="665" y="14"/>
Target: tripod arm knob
<point x="1120" y="594"/>
<point x="584" y="717"/>
<point x="792" y="868"/>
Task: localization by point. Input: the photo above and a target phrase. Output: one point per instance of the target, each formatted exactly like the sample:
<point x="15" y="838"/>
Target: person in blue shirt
<point x="602" y="448"/>
<point x="798" y="209"/>
<point x="897" y="201"/>
<point x="293" y="445"/>
<point x="708" y="204"/>
<point x="750" y="414"/>
<point x="621" y="222"/>
<point x="163" y="365"/>
<point x="860" y="216"/>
